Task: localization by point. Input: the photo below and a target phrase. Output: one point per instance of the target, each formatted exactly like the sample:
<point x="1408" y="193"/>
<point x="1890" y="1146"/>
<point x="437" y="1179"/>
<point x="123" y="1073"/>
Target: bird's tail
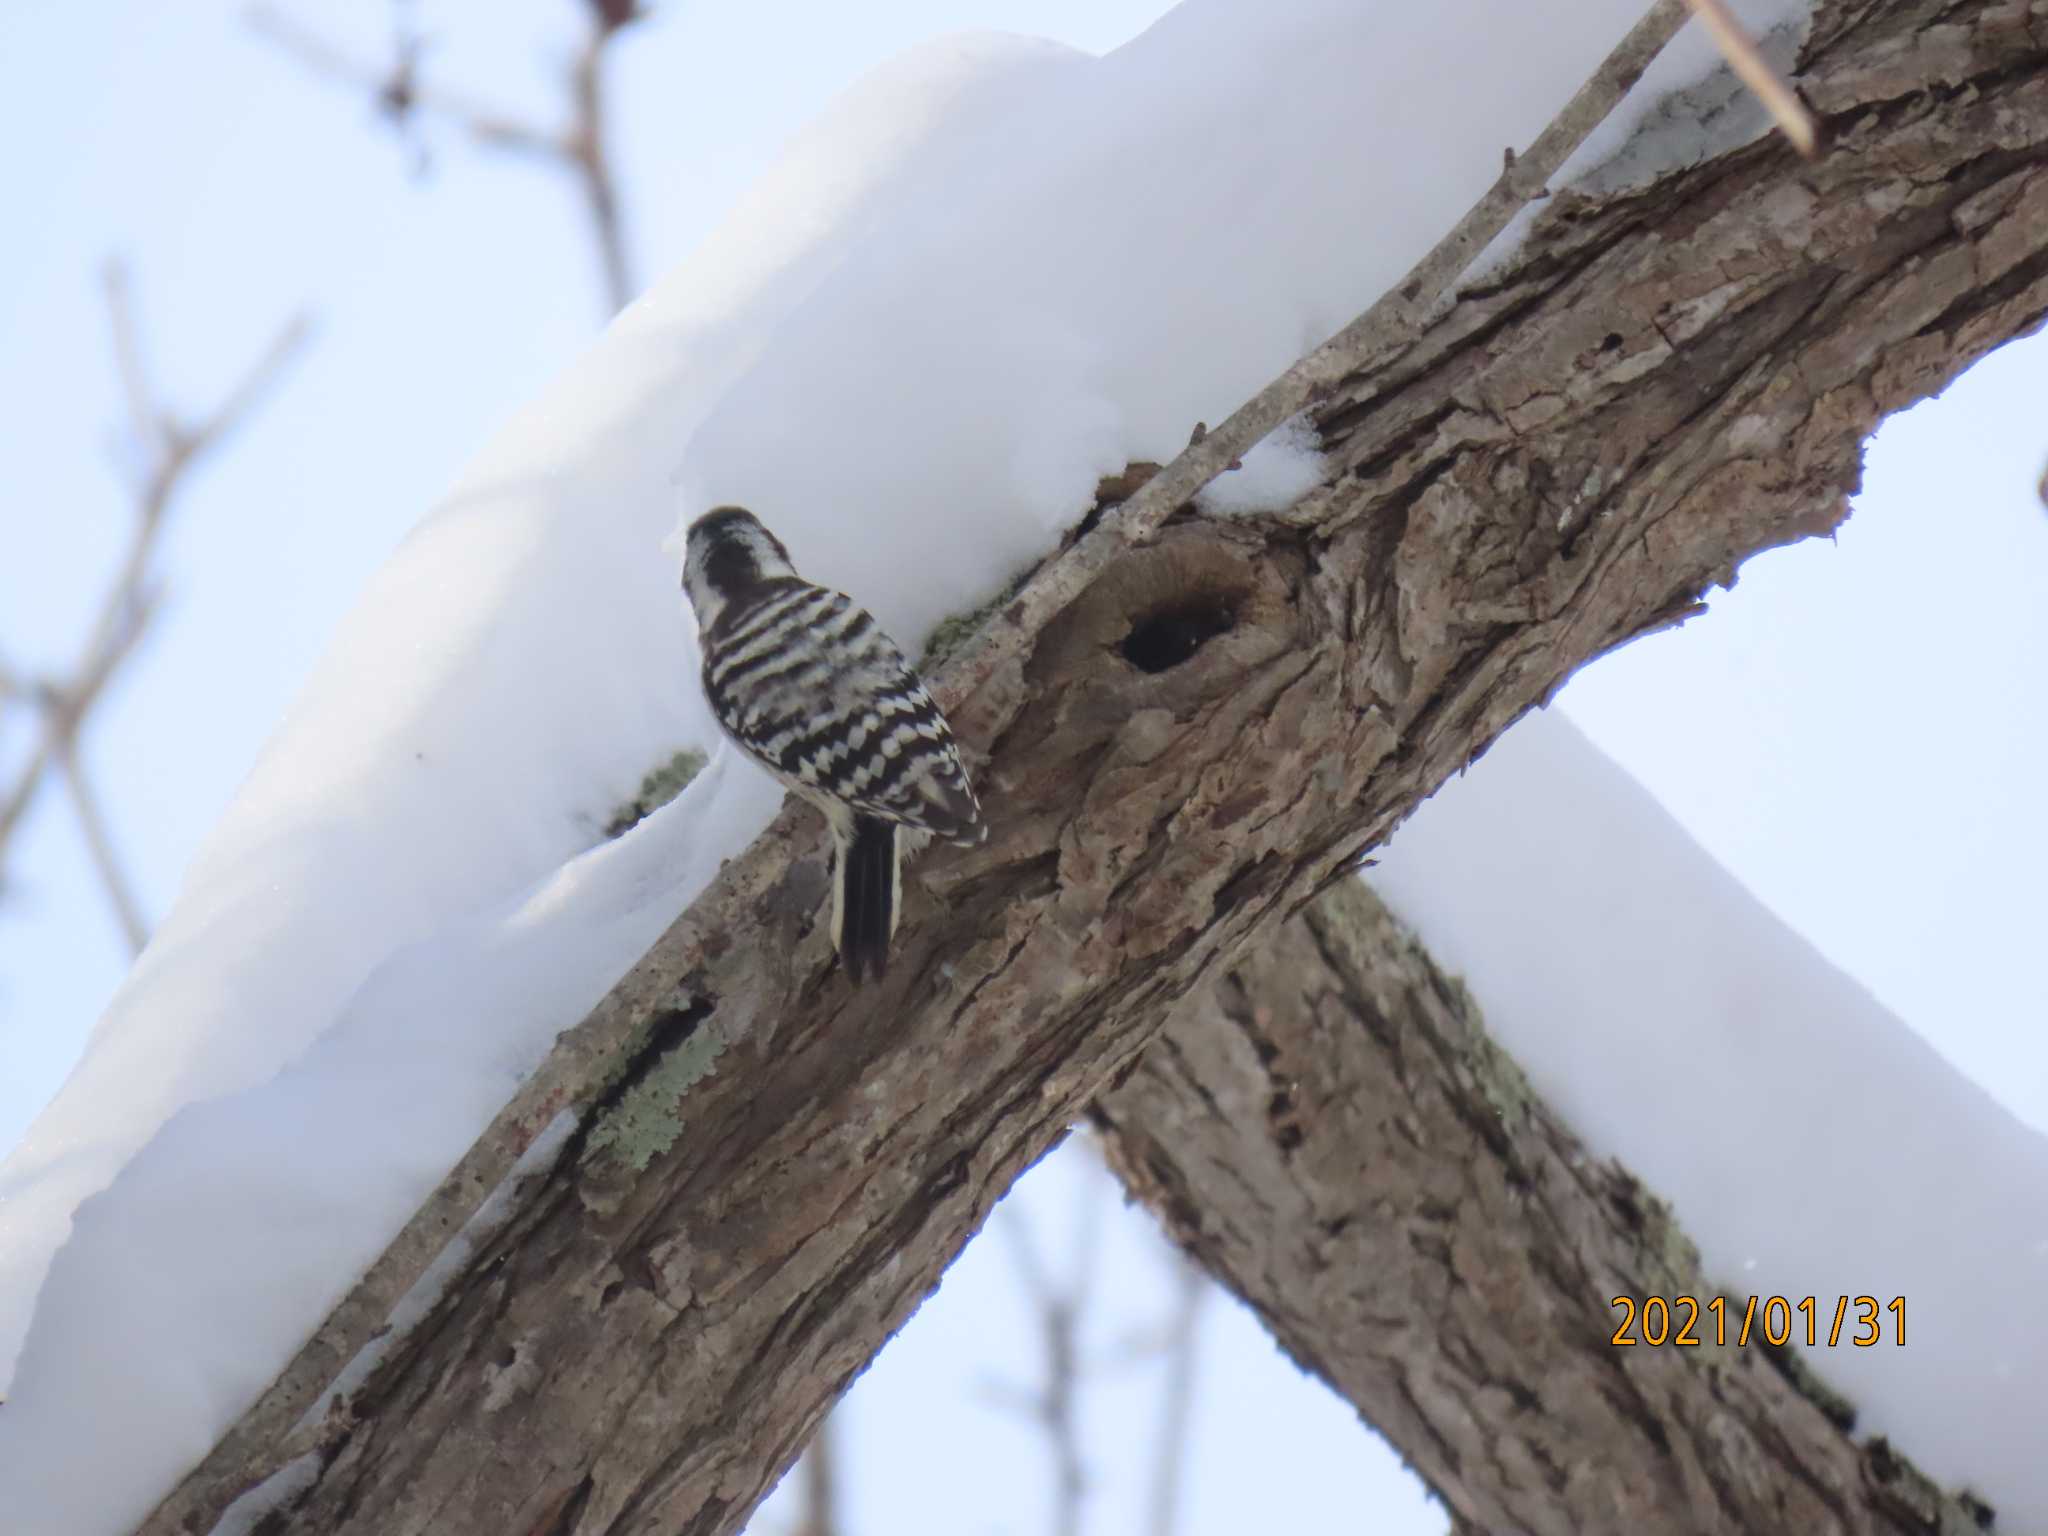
<point x="865" y="900"/>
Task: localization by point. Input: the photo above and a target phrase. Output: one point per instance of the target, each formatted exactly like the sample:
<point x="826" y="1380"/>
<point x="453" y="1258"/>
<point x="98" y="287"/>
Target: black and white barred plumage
<point x="806" y="683"/>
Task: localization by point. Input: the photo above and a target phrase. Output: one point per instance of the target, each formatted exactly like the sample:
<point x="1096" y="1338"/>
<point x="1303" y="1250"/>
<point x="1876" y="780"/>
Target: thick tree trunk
<point x="1333" y="1135"/>
<point x="1667" y="382"/>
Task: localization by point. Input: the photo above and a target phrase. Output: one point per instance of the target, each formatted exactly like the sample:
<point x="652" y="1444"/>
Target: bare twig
<point x="146" y="427"/>
<point x="1394" y="320"/>
<point x="1758" y="73"/>
<point x="165" y="449"/>
<point x="1169" y="1471"/>
<point x="1060" y="1311"/>
<point x="99" y="843"/>
<point x="586" y="146"/>
<point x="260" y="378"/>
<point x="819" y="1470"/>
<point x="580" y="148"/>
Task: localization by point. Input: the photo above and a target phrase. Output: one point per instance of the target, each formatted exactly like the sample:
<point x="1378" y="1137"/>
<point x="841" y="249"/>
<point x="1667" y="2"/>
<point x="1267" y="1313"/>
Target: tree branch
<point x="1388" y="326"/>
<point x="1662" y="384"/>
<point x="1472" y="1325"/>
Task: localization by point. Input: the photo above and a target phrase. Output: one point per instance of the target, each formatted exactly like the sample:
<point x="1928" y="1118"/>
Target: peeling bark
<point x="1331" y="1132"/>
<point x="1666" y="382"/>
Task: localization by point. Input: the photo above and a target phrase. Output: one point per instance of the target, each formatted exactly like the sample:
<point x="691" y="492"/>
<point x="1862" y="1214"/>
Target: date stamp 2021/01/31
<point x="1861" y="1321"/>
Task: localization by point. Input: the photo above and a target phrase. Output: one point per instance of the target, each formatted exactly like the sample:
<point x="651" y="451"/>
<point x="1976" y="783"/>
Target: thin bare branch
<point x="580" y="149"/>
<point x="143" y="422"/>
<point x="319" y="54"/>
<point x="99" y="843"/>
<point x="1024" y="1249"/>
<point x="588" y="148"/>
<point x="1169" y="1470"/>
<point x="1759" y="74"/>
<point x="395" y="88"/>
<point x="1060" y="1310"/>
<point x="64" y="708"/>
<point x="166" y="451"/>
<point x="1394" y="320"/>
<point x="819" y="1471"/>
<point x="23" y="794"/>
<point x="261" y="378"/>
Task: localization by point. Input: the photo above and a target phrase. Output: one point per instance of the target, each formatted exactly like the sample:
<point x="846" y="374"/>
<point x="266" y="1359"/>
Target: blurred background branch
<point x="160" y="449"/>
<point x="818" y="1484"/>
<point x="579" y="148"/>
<point x="1059" y="1310"/>
<point x="1169" y="1469"/>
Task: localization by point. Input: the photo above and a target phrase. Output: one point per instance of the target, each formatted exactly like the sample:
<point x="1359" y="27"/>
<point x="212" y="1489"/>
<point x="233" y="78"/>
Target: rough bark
<point x="1666" y="382"/>
<point x="1331" y="1133"/>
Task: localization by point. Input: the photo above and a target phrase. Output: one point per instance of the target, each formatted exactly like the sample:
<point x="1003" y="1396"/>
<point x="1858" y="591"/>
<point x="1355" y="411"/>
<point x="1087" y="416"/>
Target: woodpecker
<point x="805" y="682"/>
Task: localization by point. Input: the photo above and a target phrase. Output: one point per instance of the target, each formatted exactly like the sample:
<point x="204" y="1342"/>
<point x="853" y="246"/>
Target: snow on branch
<point x="1391" y="322"/>
<point x="1663" y="383"/>
<point x="1757" y="72"/>
<point x="588" y="1056"/>
<point x="1475" y="1327"/>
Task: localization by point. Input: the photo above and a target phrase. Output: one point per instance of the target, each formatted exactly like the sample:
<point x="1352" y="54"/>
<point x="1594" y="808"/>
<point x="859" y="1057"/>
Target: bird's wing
<point x="840" y="715"/>
<point x="915" y="775"/>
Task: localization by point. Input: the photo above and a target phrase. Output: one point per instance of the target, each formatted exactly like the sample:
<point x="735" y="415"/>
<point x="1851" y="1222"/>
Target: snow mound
<point x="1808" y="1141"/>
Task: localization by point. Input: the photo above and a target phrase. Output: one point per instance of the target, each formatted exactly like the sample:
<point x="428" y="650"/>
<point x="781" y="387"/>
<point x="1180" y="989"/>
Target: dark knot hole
<point x="1164" y="639"/>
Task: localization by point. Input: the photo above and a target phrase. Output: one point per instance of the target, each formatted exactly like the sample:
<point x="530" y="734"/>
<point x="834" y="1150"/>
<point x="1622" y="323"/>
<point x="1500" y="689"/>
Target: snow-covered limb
<point x="1673" y="379"/>
<point x="1334" y="1131"/>
<point x="1388" y="326"/>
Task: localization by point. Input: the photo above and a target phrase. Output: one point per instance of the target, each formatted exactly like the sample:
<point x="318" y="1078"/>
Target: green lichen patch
<point x="1499" y="1076"/>
<point x="1836" y="1408"/>
<point x="663" y="783"/>
<point x="645" y="1121"/>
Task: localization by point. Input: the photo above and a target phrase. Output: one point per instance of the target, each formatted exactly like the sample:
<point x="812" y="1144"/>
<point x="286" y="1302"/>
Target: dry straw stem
<point x="1757" y="72"/>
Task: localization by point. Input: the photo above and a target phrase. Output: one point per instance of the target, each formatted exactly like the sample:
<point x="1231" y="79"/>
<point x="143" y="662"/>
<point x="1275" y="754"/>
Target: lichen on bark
<point x="647" y="1118"/>
<point x="662" y="783"/>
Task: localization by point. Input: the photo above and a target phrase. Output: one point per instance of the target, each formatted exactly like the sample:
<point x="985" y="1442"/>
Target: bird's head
<point x="726" y="554"/>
